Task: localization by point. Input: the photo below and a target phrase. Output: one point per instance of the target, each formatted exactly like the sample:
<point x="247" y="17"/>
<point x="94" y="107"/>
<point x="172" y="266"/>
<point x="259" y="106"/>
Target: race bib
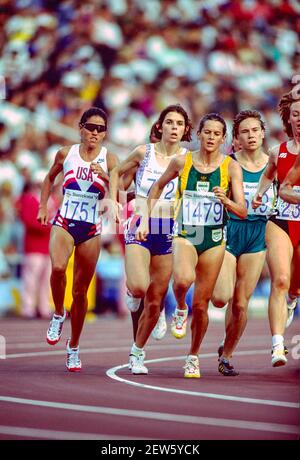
<point x="288" y="211"/>
<point x="201" y="208"/>
<point x="266" y="207"/>
<point x="169" y="190"/>
<point x="78" y="205"/>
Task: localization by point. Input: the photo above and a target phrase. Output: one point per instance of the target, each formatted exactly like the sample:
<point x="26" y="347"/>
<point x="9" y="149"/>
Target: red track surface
<point x="34" y="375"/>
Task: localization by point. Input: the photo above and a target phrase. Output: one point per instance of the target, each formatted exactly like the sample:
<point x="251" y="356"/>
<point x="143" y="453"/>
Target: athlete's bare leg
<point x="279" y="257"/>
<point x="295" y="278"/>
<point x="137" y="264"/>
<point x="207" y="271"/>
<point x="85" y="260"/>
<point x="224" y="287"/>
<point x="160" y="272"/>
<point x="249" y="267"/>
<point x="185" y="260"/>
<point x="61" y="248"/>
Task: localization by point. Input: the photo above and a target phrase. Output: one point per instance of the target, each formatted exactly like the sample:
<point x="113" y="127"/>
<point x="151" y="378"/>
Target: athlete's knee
<point x="239" y="309"/>
<point x="182" y="283"/>
<point x="58" y="270"/>
<point x="218" y="301"/>
<point x="152" y="309"/>
<point x="200" y="311"/>
<point x="79" y="294"/>
<point x="137" y="290"/>
<point x="281" y="282"/>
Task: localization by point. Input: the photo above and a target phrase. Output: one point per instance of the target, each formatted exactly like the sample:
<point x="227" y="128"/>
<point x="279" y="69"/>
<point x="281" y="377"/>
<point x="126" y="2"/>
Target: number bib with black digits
<point x="267" y="199"/>
<point x="79" y="205"/>
<point x="201" y="208"/>
<point x="288" y="211"/>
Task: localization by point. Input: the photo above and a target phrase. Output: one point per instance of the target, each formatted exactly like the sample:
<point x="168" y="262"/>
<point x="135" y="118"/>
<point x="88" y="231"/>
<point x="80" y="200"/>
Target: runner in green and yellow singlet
<point x="210" y="184"/>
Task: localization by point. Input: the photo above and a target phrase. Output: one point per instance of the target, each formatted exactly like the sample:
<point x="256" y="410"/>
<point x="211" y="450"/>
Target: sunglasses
<point x="92" y="126"/>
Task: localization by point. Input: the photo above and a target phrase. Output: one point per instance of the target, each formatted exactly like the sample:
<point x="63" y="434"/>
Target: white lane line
<point x="160" y="416"/>
<point x="168" y="342"/>
<point x="112" y="374"/>
<point x="154" y="347"/>
<point x="56" y="352"/>
<point x="35" y="433"/>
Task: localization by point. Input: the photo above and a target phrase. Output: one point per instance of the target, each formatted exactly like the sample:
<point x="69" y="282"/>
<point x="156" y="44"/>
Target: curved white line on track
<point x="160" y="416"/>
<point x="112" y="374"/>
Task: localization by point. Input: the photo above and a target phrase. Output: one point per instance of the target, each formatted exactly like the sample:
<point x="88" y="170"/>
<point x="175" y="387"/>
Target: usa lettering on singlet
<point x="149" y="172"/>
<point x="82" y="188"/>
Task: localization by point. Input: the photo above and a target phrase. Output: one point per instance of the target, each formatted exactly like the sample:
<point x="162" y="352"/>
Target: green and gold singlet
<point x="200" y="216"/>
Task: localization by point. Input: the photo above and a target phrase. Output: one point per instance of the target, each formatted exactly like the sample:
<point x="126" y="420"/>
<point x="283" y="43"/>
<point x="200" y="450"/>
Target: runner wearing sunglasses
<point x="86" y="167"/>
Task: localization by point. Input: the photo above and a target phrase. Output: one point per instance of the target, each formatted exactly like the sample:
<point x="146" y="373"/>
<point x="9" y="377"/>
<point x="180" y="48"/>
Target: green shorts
<point x="203" y="238"/>
<point x="245" y="236"/>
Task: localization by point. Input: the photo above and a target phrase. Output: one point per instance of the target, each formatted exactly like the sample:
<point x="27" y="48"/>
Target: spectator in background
<point x="36" y="269"/>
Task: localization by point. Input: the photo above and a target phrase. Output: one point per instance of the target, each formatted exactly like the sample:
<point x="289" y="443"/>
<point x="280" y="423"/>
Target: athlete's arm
<point x="172" y="171"/>
<point x="267" y="177"/>
<point x="237" y="205"/>
<point x="55" y="169"/>
<point x="286" y="191"/>
<point x="130" y="164"/>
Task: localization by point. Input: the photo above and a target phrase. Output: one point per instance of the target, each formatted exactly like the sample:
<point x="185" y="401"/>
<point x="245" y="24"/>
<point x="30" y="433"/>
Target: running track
<point x="40" y="399"/>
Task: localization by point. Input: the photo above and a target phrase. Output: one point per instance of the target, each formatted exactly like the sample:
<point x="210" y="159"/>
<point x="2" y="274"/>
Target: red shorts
<point x="291" y="228"/>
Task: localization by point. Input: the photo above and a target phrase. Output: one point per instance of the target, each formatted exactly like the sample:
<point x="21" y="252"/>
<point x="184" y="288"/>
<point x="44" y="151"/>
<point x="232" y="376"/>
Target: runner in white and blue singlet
<point x="148" y="264"/>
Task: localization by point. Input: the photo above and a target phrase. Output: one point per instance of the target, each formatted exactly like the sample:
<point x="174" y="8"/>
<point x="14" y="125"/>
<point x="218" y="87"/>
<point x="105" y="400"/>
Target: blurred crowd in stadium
<point x="132" y="58"/>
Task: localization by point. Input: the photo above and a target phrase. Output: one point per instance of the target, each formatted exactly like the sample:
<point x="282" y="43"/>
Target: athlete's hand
<point x="143" y="230"/>
<point x="220" y="194"/>
<point x="42" y="216"/>
<point x="257" y="201"/>
<point x="97" y="169"/>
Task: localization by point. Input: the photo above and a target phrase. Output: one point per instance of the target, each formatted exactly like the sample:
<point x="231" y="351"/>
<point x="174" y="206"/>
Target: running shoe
<point x="221" y="349"/>
<point x="133" y="303"/>
<point x="291" y="305"/>
<point x="55" y="328"/>
<point x="137" y="363"/>
<point x="226" y="369"/>
<point x="278" y="357"/>
<point x="179" y="323"/>
<point x="191" y="367"/>
<point x="160" y="328"/>
<point x="73" y="362"/>
<point x="286" y="351"/>
<point x="130" y="359"/>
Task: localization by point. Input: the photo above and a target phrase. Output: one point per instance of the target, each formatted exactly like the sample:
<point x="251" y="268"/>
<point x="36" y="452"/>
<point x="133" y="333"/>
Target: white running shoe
<point x="290" y="311"/>
<point x="160" y="328"/>
<point x="55" y="328"/>
<point x="130" y="359"/>
<point x="278" y="357"/>
<point x="191" y="367"/>
<point x="73" y="362"/>
<point x="179" y="322"/>
<point x="137" y="364"/>
<point x="133" y="303"/>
